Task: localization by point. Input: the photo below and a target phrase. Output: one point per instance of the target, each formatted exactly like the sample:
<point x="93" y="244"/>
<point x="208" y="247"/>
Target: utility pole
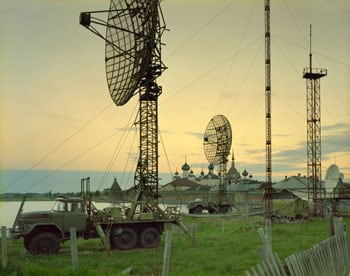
<point x="313" y="110"/>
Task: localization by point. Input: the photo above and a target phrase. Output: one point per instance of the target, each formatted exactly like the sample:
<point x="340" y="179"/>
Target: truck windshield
<point x="58" y="206"/>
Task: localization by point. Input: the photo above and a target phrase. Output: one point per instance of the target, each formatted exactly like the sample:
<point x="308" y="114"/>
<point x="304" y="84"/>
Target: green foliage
<point x="224" y="246"/>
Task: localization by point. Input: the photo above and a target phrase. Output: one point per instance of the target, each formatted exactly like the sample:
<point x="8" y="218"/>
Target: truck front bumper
<point x="15" y="233"/>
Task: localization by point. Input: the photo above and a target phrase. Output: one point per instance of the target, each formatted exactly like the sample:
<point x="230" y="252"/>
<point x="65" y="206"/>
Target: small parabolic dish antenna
<point x="217" y="140"/>
<point x="332" y="177"/>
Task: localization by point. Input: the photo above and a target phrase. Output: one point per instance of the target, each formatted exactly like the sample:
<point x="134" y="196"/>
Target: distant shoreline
<point x="28" y="199"/>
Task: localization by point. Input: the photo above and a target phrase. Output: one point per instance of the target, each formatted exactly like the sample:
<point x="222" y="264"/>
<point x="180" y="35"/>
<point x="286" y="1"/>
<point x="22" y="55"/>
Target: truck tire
<point x="149" y="238"/>
<point x="127" y="239"/>
<point x="196" y="210"/>
<point x="211" y="210"/>
<point x="44" y="243"/>
<point x="225" y="209"/>
<point x="26" y="241"/>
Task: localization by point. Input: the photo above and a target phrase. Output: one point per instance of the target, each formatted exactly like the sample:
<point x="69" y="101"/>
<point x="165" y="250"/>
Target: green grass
<point x="223" y="247"/>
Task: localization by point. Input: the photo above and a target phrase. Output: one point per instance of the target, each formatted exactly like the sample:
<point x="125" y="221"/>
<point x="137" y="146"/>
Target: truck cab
<point x="69" y="212"/>
<point x="43" y="231"/>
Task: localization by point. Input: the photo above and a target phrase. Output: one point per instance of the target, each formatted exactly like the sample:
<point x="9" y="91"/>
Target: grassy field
<point x="224" y="246"/>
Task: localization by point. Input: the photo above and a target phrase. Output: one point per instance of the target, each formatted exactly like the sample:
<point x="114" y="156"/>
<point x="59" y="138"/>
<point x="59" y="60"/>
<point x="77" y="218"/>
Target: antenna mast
<point x="133" y="64"/>
<point x="313" y="110"/>
<point x="268" y="187"/>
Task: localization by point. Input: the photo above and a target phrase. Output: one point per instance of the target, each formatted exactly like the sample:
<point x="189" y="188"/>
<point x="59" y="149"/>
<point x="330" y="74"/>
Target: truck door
<point x="73" y="217"/>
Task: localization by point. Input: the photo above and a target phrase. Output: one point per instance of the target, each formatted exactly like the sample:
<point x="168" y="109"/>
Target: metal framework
<point x="268" y="187"/>
<point x="133" y="63"/>
<point x="223" y="182"/>
<point x="217" y="144"/>
<point x="313" y="110"/>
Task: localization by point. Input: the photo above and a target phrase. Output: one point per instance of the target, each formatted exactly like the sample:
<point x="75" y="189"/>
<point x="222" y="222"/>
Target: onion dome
<point x="185" y="167"/>
<point x="245" y="173"/>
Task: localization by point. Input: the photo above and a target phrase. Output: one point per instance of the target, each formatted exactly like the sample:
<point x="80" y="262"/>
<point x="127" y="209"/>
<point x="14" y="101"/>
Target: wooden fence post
<point x="266" y="251"/>
<point x="338" y="225"/>
<point x="4" y="246"/>
<point x="73" y="247"/>
<point x="330" y="225"/>
<point x="167" y="250"/>
<point x="268" y="231"/>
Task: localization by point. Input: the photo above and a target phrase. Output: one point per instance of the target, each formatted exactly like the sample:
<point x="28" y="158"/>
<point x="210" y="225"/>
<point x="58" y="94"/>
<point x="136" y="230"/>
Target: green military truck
<point x="139" y="226"/>
<point x="198" y="206"/>
<point x="291" y="209"/>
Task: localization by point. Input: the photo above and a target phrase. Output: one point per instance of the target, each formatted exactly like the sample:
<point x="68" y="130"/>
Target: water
<point x="44" y="181"/>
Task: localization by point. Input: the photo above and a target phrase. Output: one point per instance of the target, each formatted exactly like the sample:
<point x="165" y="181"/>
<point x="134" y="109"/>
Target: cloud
<point x="60" y="117"/>
<point x="125" y="129"/>
<point x="335" y="143"/>
<point x="198" y="135"/>
<point x="289" y="155"/>
<point x="337" y="127"/>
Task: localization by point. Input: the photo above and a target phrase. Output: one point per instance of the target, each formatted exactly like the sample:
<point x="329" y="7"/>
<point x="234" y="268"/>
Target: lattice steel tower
<point x="268" y="188"/>
<point x="313" y="110"/>
<point x="133" y="64"/>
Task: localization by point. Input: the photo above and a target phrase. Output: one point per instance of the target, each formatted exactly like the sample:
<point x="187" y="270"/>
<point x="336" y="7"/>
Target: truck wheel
<point x="211" y="210"/>
<point x="225" y="209"/>
<point x="26" y="241"/>
<point x="127" y="239"/>
<point x="197" y="210"/>
<point x="149" y="238"/>
<point x="44" y="243"/>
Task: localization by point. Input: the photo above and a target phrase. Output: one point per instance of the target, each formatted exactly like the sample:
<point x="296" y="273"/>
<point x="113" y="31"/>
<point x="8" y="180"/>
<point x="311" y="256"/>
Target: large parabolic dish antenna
<point x="130" y="42"/>
<point x="133" y="64"/>
<point x="217" y="140"/>
<point x="130" y="36"/>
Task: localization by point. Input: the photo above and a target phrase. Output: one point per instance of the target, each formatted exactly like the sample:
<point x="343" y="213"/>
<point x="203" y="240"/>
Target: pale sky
<point x="56" y="112"/>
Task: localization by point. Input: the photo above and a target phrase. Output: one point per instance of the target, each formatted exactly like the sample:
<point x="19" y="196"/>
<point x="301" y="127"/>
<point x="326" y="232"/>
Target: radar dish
<point x="130" y="35"/>
<point x="217" y="140"/>
<point x="332" y="177"/>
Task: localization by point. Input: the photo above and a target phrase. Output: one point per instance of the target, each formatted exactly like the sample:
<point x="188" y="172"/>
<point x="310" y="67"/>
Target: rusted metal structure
<point x="133" y="64"/>
<point x="313" y="110"/>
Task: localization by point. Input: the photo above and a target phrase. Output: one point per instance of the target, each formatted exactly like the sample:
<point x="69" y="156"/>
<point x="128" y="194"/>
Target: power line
<point x="127" y="161"/>
<point x="234" y="59"/>
<point x="245" y="78"/>
<point x="316" y="52"/>
<point x="200" y="29"/>
<point x="165" y="153"/>
<point x="295" y="21"/>
<point x="249" y="125"/>
<point x="58" y="146"/>
<point x="215" y="67"/>
<point x="331" y="5"/>
<point x="71" y="161"/>
<point x="117" y="150"/>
